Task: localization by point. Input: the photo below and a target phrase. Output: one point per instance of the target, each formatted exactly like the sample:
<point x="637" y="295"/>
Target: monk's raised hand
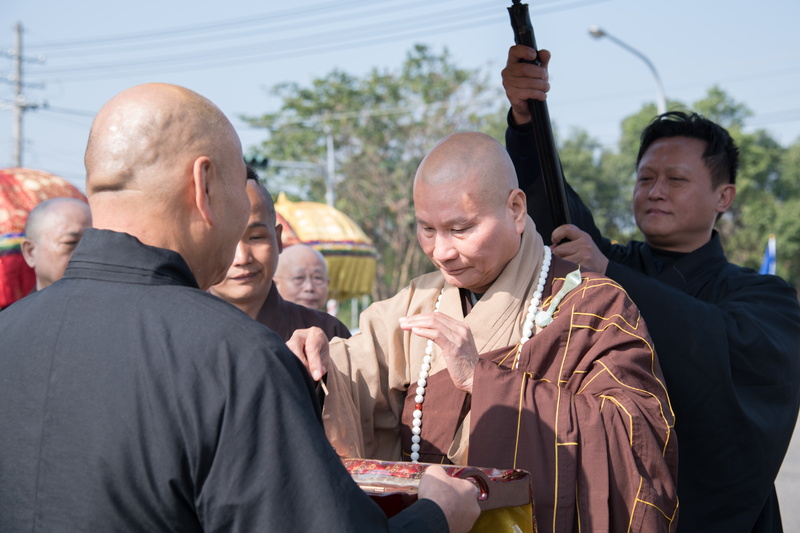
<point x="580" y="248"/>
<point x="455" y="340"/>
<point x="525" y="81"/>
<point x="310" y="345"/>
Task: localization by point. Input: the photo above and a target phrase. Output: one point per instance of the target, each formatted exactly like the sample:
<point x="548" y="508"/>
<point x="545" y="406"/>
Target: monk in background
<point x="52" y="231"/>
<point x="250" y="283"/>
<point x="302" y="276"/>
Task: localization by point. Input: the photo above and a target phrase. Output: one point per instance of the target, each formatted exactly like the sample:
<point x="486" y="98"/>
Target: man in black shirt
<point x="728" y="339"/>
<point x="132" y="400"/>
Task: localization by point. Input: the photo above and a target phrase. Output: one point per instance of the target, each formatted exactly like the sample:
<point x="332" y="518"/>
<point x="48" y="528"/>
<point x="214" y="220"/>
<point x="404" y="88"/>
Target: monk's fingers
<point x="318" y="361"/>
<point x="429" y="321"/>
<point x="449" y="334"/>
<point x="434" y="331"/>
<point x="457" y="343"/>
<point x="310" y="346"/>
<point x="421" y="318"/>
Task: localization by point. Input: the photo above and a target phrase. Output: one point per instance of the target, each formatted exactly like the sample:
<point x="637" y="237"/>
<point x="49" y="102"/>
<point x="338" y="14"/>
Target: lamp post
<point x="661" y="101"/>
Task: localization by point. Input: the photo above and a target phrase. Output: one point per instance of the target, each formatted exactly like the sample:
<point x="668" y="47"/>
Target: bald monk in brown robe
<point x="581" y="404"/>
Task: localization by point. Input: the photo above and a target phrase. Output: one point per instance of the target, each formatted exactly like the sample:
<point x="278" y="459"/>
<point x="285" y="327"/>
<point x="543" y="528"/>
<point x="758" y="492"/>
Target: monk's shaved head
<point x="302" y="276"/>
<point x="144" y="132"/>
<point x="260" y="200"/>
<point x="470" y="159"/>
<point x="40" y="215"/>
<point x="470" y="213"/>
<point x="165" y="165"/>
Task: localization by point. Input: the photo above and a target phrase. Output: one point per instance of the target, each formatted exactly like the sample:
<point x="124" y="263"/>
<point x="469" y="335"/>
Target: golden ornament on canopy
<point x="349" y="253"/>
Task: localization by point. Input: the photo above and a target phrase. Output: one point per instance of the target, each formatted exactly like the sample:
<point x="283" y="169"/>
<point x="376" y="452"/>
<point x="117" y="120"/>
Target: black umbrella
<point x="542" y="129"/>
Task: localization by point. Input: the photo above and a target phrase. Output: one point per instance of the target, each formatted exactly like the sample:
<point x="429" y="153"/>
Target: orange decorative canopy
<point x="349" y="253"/>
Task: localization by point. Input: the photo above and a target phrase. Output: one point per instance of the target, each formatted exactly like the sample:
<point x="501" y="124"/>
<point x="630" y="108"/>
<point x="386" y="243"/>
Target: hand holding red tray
<point x="505" y="496"/>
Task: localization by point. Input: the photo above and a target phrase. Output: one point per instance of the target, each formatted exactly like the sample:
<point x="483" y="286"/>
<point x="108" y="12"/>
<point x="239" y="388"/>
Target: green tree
<point x="764" y="189"/>
<point x="382" y="125"/>
<point x="603" y="180"/>
<point x="768" y="183"/>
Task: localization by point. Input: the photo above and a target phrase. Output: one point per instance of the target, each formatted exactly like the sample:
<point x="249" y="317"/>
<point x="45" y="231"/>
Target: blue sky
<point x="233" y="51"/>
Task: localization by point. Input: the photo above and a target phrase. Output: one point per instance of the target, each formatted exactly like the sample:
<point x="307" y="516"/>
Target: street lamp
<point x="661" y="101"/>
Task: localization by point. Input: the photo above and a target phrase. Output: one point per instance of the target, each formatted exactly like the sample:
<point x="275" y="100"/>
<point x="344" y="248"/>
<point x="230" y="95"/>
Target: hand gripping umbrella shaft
<point x="542" y="129"/>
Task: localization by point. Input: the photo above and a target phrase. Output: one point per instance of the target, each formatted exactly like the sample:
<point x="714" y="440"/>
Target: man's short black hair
<point x="721" y="155"/>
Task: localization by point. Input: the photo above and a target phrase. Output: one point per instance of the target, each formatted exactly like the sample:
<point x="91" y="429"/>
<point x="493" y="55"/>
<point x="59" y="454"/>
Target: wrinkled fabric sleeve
<point x="367" y="383"/>
<point x="596" y="435"/>
<point x="733" y="366"/>
<point x="268" y="465"/>
<point x="734" y="375"/>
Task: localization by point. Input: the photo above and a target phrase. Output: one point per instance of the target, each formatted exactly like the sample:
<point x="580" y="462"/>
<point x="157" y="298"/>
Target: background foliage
<point x="382" y="124"/>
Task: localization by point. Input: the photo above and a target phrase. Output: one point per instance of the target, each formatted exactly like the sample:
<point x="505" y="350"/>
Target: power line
<point x="306" y="16"/>
<point x="68" y="111"/>
<point x="225" y="31"/>
<point x="368" y="33"/>
<point x="400" y="28"/>
<point x="171" y="32"/>
<point x="322" y="40"/>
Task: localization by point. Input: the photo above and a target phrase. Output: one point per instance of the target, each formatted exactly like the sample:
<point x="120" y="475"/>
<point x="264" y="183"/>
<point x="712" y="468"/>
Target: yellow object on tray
<point x="506" y="498"/>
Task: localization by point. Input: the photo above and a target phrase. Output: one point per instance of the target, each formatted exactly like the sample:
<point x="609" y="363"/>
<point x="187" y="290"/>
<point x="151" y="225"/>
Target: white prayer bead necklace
<point x="527" y="333"/>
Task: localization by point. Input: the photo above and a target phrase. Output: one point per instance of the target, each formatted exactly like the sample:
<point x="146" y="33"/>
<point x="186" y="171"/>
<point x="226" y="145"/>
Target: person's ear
<point x="727" y="193"/>
<point x="278" y="235"/>
<point x="202" y="176"/>
<point x="27" y="248"/>
<point x="518" y="207"/>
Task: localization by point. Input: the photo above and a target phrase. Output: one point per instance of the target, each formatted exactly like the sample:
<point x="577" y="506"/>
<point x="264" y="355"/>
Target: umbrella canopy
<point x="21" y="189"/>
<point x="288" y="236"/>
<point x="349" y="253"/>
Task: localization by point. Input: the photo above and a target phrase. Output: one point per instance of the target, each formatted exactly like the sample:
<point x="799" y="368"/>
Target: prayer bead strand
<point x="527" y="333"/>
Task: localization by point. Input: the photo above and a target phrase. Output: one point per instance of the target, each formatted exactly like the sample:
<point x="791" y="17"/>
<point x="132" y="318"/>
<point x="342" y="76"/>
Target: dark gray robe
<point x="284" y="317"/>
<point x="728" y="340"/>
<point x="130" y="400"/>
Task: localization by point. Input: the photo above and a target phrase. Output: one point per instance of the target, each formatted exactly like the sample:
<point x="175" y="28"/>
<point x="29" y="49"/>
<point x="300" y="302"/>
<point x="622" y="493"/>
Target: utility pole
<point x="20" y="104"/>
<point x="330" y="177"/>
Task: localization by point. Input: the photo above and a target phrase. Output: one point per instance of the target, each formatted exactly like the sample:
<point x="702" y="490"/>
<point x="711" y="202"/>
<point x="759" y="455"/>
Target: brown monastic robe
<point x="593" y="367"/>
<point x="586" y="413"/>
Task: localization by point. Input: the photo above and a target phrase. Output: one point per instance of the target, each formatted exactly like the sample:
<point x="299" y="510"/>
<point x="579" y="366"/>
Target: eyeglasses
<point x="316" y="280"/>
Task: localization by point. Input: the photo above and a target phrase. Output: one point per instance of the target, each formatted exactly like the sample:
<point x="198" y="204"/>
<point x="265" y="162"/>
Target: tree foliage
<point x="768" y="183"/>
<point x="383" y="123"/>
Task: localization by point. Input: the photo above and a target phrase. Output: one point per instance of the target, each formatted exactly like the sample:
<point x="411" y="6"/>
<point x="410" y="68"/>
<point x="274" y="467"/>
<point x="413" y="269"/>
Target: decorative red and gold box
<point x="505" y="498"/>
